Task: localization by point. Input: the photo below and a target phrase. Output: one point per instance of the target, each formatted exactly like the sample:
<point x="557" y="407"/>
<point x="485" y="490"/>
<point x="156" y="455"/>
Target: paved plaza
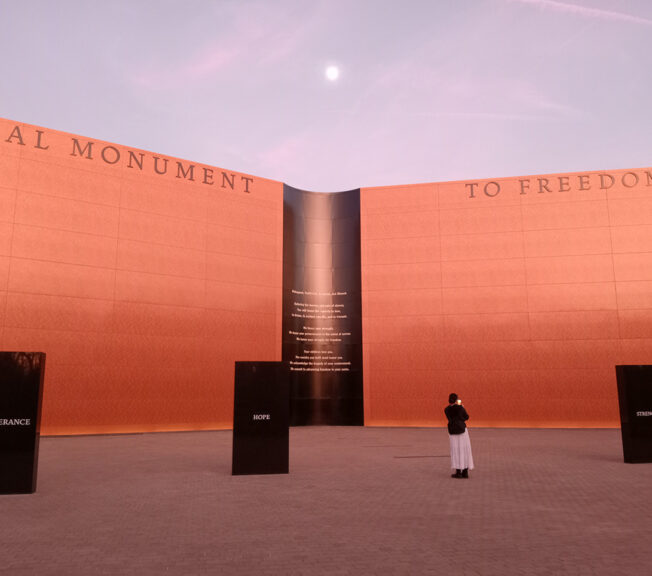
<point x="356" y="501"/>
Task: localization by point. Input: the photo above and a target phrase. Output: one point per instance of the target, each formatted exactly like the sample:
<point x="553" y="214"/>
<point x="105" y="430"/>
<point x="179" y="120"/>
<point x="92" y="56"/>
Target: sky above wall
<point x="427" y="91"/>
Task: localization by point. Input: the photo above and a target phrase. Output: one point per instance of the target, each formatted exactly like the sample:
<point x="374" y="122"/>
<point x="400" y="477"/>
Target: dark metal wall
<point x="322" y="306"/>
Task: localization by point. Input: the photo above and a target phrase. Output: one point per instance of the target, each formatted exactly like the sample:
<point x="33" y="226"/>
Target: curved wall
<point x="322" y="307"/>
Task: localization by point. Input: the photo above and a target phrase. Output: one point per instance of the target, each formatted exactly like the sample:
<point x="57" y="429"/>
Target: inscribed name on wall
<point x="139" y="161"/>
<point x="559" y="184"/>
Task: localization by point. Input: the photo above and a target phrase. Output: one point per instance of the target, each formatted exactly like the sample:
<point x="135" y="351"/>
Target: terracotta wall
<point x="519" y="294"/>
<point x="142" y="288"/>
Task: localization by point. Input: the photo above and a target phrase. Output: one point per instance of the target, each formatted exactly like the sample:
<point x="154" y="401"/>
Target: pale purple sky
<point x="428" y="90"/>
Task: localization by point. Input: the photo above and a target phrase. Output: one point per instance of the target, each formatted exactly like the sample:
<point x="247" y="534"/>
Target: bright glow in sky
<point x="332" y="73"/>
<point x="434" y="91"/>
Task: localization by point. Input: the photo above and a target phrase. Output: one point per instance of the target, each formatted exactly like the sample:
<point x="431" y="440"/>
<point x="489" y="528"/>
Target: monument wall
<point x="143" y="277"/>
<point x="520" y="294"/>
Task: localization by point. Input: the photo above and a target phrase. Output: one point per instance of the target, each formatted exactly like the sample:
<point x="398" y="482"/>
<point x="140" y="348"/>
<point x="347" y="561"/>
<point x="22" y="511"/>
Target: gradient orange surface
<point x="143" y="289"/>
<point x="520" y="294"/>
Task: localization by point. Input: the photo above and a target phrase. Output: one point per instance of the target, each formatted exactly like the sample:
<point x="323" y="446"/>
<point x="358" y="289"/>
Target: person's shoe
<point x="458" y="474"/>
<point x="465" y="473"/>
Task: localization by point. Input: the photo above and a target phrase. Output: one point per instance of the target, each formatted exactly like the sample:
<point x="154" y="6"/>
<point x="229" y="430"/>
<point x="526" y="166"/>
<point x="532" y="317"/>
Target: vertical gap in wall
<point x="527" y="293"/>
<point x="441" y="272"/>
<point x="442" y="322"/>
<point x="527" y="286"/>
<point x="613" y="270"/>
<point x="278" y="308"/>
<point x="203" y="341"/>
<point x="113" y="324"/>
<point x="366" y="385"/>
<point x="11" y="253"/>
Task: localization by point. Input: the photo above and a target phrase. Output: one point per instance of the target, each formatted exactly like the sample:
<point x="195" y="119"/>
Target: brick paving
<point x="356" y="501"/>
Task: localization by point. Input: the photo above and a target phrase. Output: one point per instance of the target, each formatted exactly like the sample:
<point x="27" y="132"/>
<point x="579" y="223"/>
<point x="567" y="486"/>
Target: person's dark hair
<point x="452" y="398"/>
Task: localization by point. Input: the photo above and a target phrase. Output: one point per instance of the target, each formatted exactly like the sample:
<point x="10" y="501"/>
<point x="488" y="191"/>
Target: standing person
<point x="461" y="457"/>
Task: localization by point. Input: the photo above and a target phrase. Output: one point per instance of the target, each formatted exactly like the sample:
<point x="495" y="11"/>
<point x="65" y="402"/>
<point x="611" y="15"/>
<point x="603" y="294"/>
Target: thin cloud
<point x="255" y="34"/>
<point x="484" y="116"/>
<point x="209" y="63"/>
<point x="418" y="91"/>
<point x="586" y="12"/>
<point x="285" y="153"/>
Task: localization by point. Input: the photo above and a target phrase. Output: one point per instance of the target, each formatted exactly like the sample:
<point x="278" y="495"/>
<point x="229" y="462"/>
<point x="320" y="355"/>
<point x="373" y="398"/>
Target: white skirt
<point x="461" y="456"/>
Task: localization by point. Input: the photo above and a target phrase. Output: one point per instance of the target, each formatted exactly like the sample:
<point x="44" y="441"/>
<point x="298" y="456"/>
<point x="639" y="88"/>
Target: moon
<point x="332" y="73"/>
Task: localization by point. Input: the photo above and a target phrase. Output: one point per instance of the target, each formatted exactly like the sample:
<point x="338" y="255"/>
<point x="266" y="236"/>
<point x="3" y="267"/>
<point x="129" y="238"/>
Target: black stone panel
<point x="21" y="393"/>
<point x="261" y="418"/>
<point x="635" y="401"/>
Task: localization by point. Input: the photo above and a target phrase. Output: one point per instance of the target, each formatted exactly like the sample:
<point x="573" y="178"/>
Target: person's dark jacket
<point x="457" y="416"/>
